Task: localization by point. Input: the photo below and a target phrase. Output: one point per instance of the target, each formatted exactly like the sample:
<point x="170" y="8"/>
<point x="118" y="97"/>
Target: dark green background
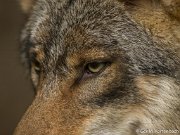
<point x="15" y="88"/>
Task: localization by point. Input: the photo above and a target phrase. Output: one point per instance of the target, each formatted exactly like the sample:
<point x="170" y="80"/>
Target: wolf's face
<point x="96" y="71"/>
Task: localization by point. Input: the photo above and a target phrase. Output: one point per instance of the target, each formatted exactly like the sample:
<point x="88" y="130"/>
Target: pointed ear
<point x="172" y="7"/>
<point x="27" y="5"/>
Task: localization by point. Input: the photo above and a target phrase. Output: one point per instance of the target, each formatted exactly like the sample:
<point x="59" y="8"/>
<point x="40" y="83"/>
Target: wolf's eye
<point x="35" y="72"/>
<point x="95" y="67"/>
<point x="36" y="67"/>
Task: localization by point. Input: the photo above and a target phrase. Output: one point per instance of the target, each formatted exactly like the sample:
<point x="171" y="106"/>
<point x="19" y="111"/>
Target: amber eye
<point x="95" y="67"/>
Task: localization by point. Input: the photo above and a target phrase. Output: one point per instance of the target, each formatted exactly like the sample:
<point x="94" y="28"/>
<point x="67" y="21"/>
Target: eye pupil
<point x="94" y="65"/>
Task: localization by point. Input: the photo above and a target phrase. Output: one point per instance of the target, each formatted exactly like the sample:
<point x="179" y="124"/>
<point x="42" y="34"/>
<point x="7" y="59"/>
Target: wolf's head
<point x="96" y="71"/>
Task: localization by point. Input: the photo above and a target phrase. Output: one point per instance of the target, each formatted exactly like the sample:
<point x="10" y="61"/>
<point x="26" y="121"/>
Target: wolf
<point x="102" y="67"/>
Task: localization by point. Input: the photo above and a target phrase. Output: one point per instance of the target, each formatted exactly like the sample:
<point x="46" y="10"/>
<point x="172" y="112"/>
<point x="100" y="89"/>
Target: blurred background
<point x="16" y="93"/>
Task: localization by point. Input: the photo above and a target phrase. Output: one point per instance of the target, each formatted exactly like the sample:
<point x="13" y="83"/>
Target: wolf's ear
<point x="172" y="7"/>
<point x="27" y="5"/>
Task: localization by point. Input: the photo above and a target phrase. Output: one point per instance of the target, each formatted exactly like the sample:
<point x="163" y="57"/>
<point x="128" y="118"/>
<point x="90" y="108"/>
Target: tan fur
<point x="172" y="7"/>
<point x="163" y="25"/>
<point x="161" y="94"/>
<point x="26" y="5"/>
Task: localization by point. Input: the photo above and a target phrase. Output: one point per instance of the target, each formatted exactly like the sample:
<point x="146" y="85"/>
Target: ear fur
<point x="26" y="5"/>
<point x="172" y="7"/>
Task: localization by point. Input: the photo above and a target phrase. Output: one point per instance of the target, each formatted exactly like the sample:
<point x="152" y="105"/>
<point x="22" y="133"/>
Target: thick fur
<point x="138" y="91"/>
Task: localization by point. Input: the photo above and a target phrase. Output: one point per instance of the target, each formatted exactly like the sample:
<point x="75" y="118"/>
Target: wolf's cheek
<point x="160" y="99"/>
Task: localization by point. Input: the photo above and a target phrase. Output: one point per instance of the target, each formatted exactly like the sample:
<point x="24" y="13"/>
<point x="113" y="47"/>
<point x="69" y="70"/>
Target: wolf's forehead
<point x="58" y="21"/>
<point x="58" y="16"/>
